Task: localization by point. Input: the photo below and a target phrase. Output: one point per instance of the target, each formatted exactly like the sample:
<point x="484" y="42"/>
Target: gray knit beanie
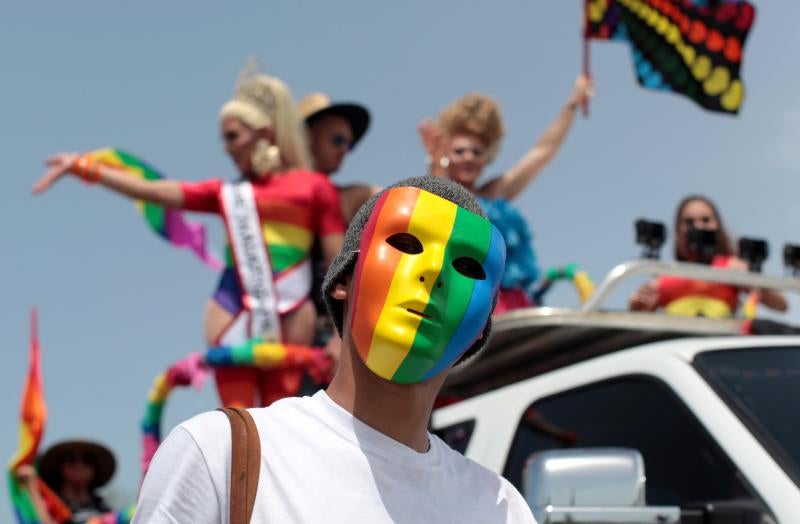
<point x="345" y="261"/>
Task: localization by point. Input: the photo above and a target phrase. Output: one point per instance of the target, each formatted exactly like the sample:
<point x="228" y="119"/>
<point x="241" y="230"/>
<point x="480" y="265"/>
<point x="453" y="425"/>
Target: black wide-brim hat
<point x="317" y="105"/>
<point x="102" y="460"/>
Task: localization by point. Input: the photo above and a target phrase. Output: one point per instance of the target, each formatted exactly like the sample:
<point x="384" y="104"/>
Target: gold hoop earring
<point x="265" y="157"/>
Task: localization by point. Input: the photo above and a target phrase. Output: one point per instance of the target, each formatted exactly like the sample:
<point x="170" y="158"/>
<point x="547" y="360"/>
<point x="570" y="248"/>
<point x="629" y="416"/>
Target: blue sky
<point x="117" y="305"/>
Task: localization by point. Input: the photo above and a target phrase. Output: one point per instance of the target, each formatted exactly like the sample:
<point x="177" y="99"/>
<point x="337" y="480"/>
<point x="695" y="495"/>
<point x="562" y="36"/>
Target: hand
<point x="432" y="136"/>
<point x="645" y="298"/>
<point x="26" y="474"/>
<point x="57" y="166"/>
<point x="737" y="264"/>
<point x="582" y="92"/>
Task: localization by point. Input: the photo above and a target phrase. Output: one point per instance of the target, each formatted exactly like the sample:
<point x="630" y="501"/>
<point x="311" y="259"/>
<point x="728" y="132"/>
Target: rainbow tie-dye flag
<point x="167" y="223"/>
<point x="691" y="47"/>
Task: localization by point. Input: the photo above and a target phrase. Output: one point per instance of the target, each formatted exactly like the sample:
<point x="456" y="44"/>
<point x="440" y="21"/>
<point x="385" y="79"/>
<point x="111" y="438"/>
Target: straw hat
<point x="99" y="456"/>
<point x="316" y="105"/>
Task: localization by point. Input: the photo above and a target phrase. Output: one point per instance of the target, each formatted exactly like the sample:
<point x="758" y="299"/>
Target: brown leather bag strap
<point x="245" y="464"/>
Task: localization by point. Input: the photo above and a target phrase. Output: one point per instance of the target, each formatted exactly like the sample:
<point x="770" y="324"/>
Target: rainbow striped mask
<point x="424" y="284"/>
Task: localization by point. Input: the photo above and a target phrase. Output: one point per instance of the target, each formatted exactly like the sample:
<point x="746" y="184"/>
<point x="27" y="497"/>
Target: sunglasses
<point x="339" y="140"/>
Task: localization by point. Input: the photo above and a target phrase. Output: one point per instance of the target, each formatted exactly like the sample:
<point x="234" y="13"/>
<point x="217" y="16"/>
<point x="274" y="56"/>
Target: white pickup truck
<point x="575" y="407"/>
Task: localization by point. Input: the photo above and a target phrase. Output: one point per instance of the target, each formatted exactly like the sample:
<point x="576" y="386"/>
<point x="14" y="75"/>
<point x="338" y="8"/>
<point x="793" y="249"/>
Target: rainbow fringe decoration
<point x="33" y="415"/>
<point x="749" y="309"/>
<point x="117" y="517"/>
<point x="194" y="369"/>
<point x="266" y="355"/>
<point x="167" y="223"/>
<point x="189" y="371"/>
<point x="580" y="279"/>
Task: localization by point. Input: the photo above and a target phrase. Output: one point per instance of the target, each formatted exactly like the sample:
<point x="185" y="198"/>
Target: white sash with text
<point x="259" y="296"/>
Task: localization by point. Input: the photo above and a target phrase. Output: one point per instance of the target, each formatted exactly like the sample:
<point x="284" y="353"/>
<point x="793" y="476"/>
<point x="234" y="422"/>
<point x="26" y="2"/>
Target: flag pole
<point x="34" y="326"/>
<point x="586" y="60"/>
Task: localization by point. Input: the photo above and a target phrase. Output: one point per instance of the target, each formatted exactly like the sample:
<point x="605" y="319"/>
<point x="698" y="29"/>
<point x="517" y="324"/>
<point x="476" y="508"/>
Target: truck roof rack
<point x="528" y="342"/>
<point x="639" y="268"/>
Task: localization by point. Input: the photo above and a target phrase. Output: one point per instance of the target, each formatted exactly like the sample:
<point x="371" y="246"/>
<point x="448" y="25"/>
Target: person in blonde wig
<point x="265" y="105"/>
<point x="276" y="198"/>
<point x="464" y="140"/>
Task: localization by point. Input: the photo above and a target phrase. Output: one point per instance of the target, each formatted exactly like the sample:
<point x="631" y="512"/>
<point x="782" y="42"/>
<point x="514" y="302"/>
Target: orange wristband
<point x="78" y="166"/>
<point x="87" y="169"/>
<point x="93" y="176"/>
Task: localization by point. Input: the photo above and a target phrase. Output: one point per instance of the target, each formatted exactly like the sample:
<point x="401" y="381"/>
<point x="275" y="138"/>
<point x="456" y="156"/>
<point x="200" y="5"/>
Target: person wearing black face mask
<point x="700" y="237"/>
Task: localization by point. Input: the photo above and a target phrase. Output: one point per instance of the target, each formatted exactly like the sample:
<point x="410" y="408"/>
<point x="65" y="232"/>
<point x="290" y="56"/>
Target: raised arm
<point x="329" y="223"/>
<point x="434" y="142"/>
<point x="774" y="299"/>
<point x="331" y="245"/>
<point x="511" y="184"/>
<point x="163" y="192"/>
<point x="28" y="479"/>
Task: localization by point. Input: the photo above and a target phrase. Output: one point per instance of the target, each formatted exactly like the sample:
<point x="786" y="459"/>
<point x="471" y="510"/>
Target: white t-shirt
<point x="321" y="464"/>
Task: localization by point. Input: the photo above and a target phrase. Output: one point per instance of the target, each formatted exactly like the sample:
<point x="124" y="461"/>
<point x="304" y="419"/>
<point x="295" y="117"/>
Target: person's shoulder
<point x="466" y="467"/>
<point x="480" y="479"/>
<point x="214" y="423"/>
<point x="209" y="185"/>
<point x="490" y="188"/>
<point x="361" y="192"/>
<point x="210" y="182"/>
<point x="282" y="411"/>
<point x="208" y="427"/>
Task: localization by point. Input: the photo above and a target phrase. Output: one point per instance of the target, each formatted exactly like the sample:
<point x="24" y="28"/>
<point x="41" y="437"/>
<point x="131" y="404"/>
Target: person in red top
<point x="682" y="296"/>
<point x="278" y="203"/>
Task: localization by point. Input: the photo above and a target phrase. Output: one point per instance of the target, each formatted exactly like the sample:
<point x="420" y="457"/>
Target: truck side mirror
<point x="591" y="485"/>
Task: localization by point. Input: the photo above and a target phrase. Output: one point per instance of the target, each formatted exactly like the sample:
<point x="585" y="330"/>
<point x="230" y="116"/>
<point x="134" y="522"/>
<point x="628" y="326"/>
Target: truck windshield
<point x="762" y="386"/>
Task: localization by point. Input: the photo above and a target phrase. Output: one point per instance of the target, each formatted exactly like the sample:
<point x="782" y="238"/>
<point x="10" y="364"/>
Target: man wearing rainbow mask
<point x="411" y="293"/>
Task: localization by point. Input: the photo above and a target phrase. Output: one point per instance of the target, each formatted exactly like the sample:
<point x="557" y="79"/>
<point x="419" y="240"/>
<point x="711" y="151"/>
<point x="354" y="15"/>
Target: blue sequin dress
<point x="521" y="271"/>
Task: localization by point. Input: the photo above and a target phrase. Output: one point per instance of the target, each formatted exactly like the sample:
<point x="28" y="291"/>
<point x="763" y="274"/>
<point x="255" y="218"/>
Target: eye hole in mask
<point x="405" y="242"/>
<point x="469" y="267"/>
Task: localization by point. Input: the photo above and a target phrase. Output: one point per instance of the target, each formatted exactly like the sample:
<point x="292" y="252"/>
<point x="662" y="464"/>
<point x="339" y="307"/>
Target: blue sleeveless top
<point x="521" y="271"/>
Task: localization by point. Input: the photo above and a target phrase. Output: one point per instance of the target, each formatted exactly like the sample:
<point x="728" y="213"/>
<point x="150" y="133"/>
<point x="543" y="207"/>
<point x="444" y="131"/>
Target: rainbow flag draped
<point x="167" y="223"/>
<point x="691" y="47"/>
<point x="33" y="415"/>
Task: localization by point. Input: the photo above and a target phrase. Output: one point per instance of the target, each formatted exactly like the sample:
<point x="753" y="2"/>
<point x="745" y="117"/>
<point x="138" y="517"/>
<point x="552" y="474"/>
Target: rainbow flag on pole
<point x="691" y="47"/>
<point x="33" y="415"/>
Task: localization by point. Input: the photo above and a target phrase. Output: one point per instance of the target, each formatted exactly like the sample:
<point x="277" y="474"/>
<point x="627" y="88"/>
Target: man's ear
<point x="340" y="290"/>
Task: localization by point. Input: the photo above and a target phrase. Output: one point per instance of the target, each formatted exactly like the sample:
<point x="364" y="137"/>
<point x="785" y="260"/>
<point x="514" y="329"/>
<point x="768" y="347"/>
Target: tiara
<point x="252" y="87"/>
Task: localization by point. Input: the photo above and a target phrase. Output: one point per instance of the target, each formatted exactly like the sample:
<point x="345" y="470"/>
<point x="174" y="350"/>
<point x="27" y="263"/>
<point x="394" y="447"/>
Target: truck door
<point x="684" y="466"/>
